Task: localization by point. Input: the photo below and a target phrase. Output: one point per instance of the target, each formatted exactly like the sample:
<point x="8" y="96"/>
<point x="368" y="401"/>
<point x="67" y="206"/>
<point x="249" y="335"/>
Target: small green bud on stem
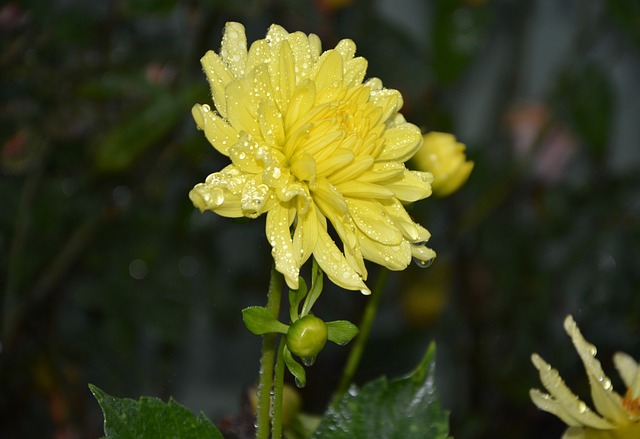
<point x="307" y="336"/>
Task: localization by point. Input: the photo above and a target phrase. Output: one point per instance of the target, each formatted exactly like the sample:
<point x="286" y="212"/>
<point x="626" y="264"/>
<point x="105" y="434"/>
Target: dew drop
<point x="205" y="108"/>
<point x="309" y="361"/>
<point x="582" y="407"/>
<point x="423" y="264"/>
<point x="217" y="197"/>
<point x="299" y="384"/>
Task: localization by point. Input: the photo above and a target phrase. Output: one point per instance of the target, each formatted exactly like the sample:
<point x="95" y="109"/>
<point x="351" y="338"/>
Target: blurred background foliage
<point x="110" y="276"/>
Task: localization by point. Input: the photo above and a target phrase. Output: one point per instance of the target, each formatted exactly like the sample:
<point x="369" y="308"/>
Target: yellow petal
<point x="302" y="101"/>
<point x="443" y="156"/>
<point x="320" y="141"/>
<point x="305" y="235"/>
<point x="335" y="265"/>
<point x="219" y="77"/>
<point x="276" y="34"/>
<point x="256" y="198"/>
<point x="241" y="113"/>
<point x="243" y="154"/>
<point x="259" y="53"/>
<point x="571" y="404"/>
<point x="413" y="186"/>
<point x="283" y="76"/>
<point x="389" y="100"/>
<point x="372" y="220"/>
<point x="331" y="93"/>
<point x="444" y="187"/>
<point x="315" y="46"/>
<point x="355" y="71"/>
<point x="383" y="171"/>
<point x="422" y="255"/>
<point x="353" y="170"/>
<point x="303" y="54"/>
<point x="271" y="125"/>
<point x="340" y="158"/>
<point x="234" y="48"/>
<point x="347" y="232"/>
<point x="394" y="257"/>
<point x="401" y="143"/>
<point x="550" y="405"/>
<point x="361" y="189"/>
<point x="412" y="231"/>
<point x="207" y="197"/>
<point x="346" y="48"/>
<point x="305" y="169"/>
<point x="606" y="401"/>
<point x="217" y="131"/>
<point x="328" y="70"/>
<point x="279" y="236"/>
<point x="629" y="371"/>
<point x="328" y="198"/>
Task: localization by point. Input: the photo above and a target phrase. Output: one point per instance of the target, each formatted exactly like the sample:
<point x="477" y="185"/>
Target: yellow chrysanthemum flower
<point x="444" y="157"/>
<point x="618" y="417"/>
<point x="310" y="142"/>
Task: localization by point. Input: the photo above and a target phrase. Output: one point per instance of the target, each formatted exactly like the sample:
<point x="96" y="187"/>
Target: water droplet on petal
<point x="299" y="384"/>
<point x="217" y="197"/>
<point x="423" y="264"/>
<point x="582" y="407"/>
<point x="309" y="361"/>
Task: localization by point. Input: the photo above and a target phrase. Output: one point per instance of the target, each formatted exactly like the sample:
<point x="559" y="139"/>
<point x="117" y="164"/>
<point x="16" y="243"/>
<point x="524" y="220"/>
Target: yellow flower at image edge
<point x="617" y="417"/>
<point x="444" y="157"/>
<point x="310" y="145"/>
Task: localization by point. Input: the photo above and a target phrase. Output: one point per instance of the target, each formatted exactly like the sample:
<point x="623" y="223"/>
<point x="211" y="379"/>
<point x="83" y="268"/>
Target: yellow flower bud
<point x="307" y="336"/>
<point x="444" y="157"/>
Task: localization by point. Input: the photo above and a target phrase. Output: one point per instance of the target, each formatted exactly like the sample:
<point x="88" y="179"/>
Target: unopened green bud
<point x="307" y="336"/>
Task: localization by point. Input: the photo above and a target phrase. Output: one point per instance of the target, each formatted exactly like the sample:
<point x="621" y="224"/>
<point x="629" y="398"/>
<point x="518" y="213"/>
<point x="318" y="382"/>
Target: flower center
<point x="631" y="404"/>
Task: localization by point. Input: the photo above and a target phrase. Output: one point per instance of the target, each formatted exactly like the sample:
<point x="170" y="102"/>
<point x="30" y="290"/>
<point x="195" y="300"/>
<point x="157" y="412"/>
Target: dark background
<point x="110" y="276"/>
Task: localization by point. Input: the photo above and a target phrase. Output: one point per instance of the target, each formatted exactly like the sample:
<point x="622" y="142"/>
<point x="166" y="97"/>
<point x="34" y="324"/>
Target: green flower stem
<point x="355" y="355"/>
<point x="278" y="391"/>
<point x="269" y="343"/>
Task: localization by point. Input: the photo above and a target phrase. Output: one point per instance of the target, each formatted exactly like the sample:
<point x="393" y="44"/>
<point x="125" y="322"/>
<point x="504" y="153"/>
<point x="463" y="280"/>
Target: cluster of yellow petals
<point x="445" y="158"/>
<point x="617" y="417"/>
<point x="311" y="144"/>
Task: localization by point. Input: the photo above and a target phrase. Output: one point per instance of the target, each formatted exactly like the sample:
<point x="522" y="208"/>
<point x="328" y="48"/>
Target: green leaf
<point x="316" y="288"/>
<point x="259" y="321"/>
<point x="341" y="331"/>
<point x="404" y="408"/>
<point x="295" y="297"/>
<point x="295" y="368"/>
<point x="151" y="418"/>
